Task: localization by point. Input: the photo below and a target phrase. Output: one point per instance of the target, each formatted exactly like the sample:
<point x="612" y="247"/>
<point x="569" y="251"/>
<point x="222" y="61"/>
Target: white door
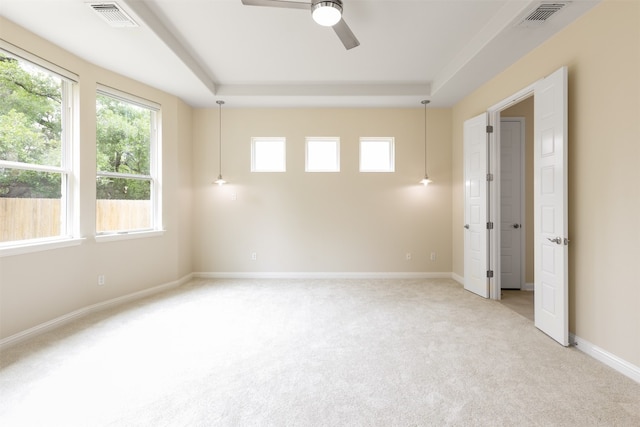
<point x="550" y="201"/>
<point x="511" y="202"/>
<point x="475" y="206"/>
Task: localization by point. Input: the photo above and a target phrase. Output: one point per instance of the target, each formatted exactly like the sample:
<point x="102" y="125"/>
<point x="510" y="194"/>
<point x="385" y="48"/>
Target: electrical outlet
<point x="254" y="256"/>
<point x="234" y="196"/>
<point x="408" y="256"/>
<point x="433" y="256"/>
<point x="101" y="280"/>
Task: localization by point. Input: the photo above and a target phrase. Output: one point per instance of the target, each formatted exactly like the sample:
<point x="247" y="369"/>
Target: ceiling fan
<point x="327" y="13"/>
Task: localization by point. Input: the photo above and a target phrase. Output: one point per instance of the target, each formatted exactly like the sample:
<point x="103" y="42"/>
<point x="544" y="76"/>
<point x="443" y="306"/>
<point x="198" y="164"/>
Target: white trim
<point x="320" y="275"/>
<point x="625" y="368"/>
<point x="391" y="142"/>
<point x="528" y="286"/>
<point x="127" y="97"/>
<point x="457" y="278"/>
<point x="124" y="235"/>
<point x="82" y="312"/>
<point x="254" y="153"/>
<point x="324" y="140"/>
<point x="38" y="61"/>
<point x="494" y="204"/>
<point x="38" y="246"/>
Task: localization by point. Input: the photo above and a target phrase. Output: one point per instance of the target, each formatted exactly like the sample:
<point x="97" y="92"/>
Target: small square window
<point x="323" y="154"/>
<point x="268" y="155"/>
<point x="377" y="155"/>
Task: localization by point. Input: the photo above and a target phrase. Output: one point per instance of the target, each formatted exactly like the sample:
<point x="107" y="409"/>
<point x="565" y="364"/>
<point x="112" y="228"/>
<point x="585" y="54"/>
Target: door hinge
<point x="489" y="129"/>
<point x="490" y="226"/>
<point x="489" y="274"/>
<point x="489" y="177"/>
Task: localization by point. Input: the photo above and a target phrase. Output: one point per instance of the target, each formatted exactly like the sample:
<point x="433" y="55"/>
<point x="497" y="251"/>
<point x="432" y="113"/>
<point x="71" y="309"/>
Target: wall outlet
<point x="234" y="196"/>
<point x="101" y="280"/>
<point x="433" y="256"/>
<point x="254" y="256"/>
<point x="408" y="256"/>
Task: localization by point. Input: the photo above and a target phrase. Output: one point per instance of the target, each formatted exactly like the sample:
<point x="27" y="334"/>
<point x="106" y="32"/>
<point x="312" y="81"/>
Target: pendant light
<point x="220" y="180"/>
<point x="425" y="181"/>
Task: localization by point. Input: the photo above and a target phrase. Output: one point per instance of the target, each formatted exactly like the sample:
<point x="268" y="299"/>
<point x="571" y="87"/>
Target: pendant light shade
<point x="425" y="181"/>
<point x="220" y="180"/>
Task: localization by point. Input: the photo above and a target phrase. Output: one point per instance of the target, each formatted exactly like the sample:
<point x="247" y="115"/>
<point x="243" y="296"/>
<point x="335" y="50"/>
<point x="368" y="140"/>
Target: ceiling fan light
<point x="326" y="13"/>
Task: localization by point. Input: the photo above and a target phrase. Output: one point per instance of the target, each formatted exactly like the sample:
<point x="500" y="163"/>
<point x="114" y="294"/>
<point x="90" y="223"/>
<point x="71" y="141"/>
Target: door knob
<point x="516" y="226"/>
<point x="557" y="240"/>
<point x="466" y="226"/>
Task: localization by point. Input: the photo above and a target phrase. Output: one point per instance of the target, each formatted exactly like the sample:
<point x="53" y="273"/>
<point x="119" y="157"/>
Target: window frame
<point x="68" y="169"/>
<point x="331" y="139"/>
<point x="392" y="150"/>
<point x="257" y="139"/>
<point x="155" y="168"/>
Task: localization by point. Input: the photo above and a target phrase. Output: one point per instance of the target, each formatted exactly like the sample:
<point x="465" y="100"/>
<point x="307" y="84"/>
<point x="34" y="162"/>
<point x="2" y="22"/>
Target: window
<point x="127" y="157"/>
<point x="36" y="185"/>
<point x="377" y="155"/>
<point x="268" y="155"/>
<point x="323" y="154"/>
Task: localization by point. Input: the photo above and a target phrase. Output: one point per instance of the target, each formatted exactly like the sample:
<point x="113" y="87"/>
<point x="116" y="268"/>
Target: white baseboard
<point x="605" y="357"/>
<point x="527" y="287"/>
<point x="62" y="320"/>
<point x="320" y="275"/>
<point x="457" y="278"/>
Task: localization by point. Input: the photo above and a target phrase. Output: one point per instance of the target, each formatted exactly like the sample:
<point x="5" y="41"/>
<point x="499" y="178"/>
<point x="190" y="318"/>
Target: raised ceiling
<point x="205" y="50"/>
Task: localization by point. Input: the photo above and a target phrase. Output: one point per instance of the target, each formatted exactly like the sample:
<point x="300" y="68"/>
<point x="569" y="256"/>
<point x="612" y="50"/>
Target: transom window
<point x="127" y="147"/>
<point x="268" y="154"/>
<point x="377" y="154"/>
<point x="36" y="185"/>
<point x="322" y="154"/>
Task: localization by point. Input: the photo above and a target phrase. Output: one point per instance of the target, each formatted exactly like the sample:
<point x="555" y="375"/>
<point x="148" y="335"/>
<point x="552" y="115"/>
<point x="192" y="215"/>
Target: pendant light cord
<point x="425" y="102"/>
<point x="220" y="136"/>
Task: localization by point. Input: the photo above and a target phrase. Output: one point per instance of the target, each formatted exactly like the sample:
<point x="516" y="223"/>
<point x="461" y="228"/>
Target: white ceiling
<point x="205" y="50"/>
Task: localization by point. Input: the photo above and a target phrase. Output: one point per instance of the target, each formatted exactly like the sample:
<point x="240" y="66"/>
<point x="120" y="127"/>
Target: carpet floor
<point x="309" y="353"/>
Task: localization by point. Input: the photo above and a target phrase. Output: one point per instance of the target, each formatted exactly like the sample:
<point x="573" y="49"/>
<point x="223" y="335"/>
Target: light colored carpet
<point x="309" y="353"/>
<point x="519" y="301"/>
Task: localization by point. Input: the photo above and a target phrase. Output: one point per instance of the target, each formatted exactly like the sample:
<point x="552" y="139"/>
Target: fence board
<point x="22" y="219"/>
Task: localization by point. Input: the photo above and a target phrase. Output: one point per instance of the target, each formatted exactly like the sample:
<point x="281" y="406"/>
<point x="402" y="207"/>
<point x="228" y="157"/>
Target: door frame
<point x="494" y="185"/>
<point x="522" y="189"/>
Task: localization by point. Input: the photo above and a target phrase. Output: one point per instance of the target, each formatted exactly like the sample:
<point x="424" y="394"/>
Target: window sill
<point x="101" y="238"/>
<point x="39" y="245"/>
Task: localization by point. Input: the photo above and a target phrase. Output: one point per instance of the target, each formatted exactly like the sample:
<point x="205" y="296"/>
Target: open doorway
<point x="482" y="212"/>
<point x="516" y="207"/>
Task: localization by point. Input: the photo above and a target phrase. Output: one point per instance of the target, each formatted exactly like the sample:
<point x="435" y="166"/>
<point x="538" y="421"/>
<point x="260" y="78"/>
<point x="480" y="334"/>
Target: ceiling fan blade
<point x="345" y="34"/>
<point x="289" y="4"/>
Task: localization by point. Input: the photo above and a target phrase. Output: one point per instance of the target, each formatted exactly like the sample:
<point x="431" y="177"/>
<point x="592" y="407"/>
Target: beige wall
<point x="38" y="287"/>
<point x="602" y="51"/>
<point x="322" y="222"/>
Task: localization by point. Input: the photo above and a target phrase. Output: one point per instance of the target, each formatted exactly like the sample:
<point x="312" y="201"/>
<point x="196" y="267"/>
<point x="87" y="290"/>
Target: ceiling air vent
<point x="541" y="14"/>
<point x="113" y="14"/>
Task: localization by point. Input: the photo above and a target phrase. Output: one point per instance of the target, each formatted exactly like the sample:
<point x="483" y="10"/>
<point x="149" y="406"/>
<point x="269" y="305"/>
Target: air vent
<point x="113" y="14"/>
<point x="541" y="14"/>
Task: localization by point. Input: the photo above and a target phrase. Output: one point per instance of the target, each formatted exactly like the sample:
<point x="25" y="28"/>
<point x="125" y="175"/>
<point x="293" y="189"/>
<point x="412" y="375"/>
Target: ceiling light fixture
<point x="425" y="181"/>
<point x="220" y="181"/>
<point x="327" y="13"/>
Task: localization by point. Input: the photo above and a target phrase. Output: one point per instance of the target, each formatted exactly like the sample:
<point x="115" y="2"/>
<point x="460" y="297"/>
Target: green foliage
<point x="123" y="133"/>
<point x="30" y="129"/>
<point x="31" y="132"/>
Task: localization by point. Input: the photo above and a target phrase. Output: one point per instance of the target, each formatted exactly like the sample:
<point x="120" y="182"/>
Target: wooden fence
<point x="22" y="219"/>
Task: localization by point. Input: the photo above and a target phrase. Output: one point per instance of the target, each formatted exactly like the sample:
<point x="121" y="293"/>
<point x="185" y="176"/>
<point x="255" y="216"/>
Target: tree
<point x="30" y="129"/>
<point x="123" y="134"/>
